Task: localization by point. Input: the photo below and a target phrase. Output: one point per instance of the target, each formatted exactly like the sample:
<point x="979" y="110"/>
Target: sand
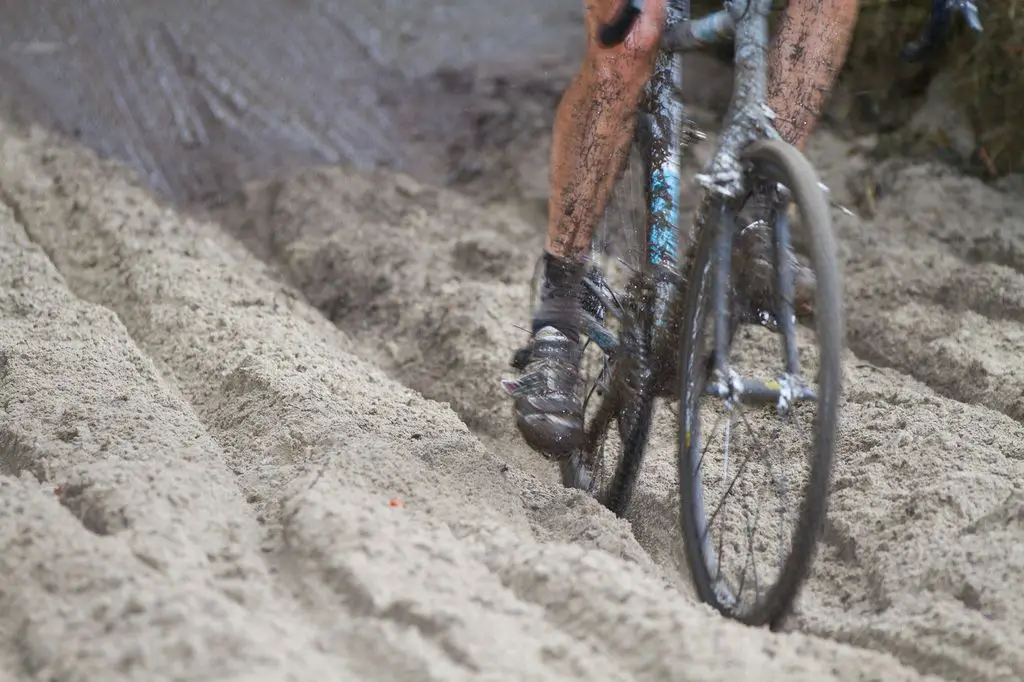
<point x="261" y="437"/>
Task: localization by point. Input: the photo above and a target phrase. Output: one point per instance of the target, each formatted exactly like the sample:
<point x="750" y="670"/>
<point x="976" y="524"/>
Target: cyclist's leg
<point x="806" y="56"/>
<point x="592" y="131"/>
<point x="594" y="125"/>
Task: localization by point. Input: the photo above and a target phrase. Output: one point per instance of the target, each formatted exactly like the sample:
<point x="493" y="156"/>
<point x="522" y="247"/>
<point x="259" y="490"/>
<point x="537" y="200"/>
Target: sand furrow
<point x="135" y="552"/>
<point x="268" y="376"/>
<point x="410" y="585"/>
<point x="429" y="267"/>
<point x="448" y="302"/>
<point x="912" y="488"/>
<point x="940" y="310"/>
<point x="644" y="630"/>
<point x="395" y="547"/>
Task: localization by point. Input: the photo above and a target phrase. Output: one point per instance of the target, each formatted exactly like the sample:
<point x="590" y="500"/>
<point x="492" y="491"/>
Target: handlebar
<point x="615" y="31"/>
<point x="939" y="20"/>
<point x="936" y="30"/>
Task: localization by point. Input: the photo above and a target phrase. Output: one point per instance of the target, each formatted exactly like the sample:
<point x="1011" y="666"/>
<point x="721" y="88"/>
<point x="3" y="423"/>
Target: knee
<point x="630" y="62"/>
<point x="644" y="39"/>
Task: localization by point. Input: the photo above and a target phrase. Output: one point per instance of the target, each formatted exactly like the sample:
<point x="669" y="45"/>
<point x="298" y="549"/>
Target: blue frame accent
<point x="663" y="237"/>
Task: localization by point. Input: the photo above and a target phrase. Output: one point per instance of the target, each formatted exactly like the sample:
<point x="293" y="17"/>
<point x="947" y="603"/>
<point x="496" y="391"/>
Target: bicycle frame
<point x="747" y="120"/>
<point x="670" y="130"/>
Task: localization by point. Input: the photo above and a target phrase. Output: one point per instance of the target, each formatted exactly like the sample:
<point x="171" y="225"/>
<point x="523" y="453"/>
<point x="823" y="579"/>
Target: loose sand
<point x="269" y="443"/>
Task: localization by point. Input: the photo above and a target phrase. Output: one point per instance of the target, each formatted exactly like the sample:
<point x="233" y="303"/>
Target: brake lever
<point x="937" y="29"/>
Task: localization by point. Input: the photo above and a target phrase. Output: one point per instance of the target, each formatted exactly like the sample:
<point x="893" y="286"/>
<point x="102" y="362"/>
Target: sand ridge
<point x="201" y="476"/>
<point x="271" y="445"/>
<point x="911" y="566"/>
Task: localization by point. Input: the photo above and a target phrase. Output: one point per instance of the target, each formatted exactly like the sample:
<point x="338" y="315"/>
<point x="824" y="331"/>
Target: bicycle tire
<point x="785" y="164"/>
<point x="629" y="409"/>
<point x="618" y="493"/>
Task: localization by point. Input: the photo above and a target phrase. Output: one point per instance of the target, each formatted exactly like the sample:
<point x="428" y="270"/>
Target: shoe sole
<point x="553" y="437"/>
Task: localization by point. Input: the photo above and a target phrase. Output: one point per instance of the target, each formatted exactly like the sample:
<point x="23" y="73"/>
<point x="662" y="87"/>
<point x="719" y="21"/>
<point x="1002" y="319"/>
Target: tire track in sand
<point x="322" y="578"/>
<point x="949" y="310"/>
<point x="921" y="548"/>
<point x="153" y="563"/>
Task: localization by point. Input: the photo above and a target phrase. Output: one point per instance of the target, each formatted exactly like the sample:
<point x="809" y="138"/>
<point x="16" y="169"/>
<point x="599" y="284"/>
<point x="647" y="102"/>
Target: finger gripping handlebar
<point x="615" y="31"/>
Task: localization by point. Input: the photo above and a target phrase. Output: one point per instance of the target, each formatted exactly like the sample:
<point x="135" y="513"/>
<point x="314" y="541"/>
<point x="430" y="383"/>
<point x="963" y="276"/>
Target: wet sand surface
<point x="251" y="427"/>
<point x="196" y="95"/>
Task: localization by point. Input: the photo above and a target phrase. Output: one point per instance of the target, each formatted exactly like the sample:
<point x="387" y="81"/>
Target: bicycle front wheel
<point x="771" y="542"/>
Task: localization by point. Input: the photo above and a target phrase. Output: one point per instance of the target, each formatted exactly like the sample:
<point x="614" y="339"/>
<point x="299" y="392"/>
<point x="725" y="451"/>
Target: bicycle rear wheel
<point x="704" y="403"/>
<point x="618" y="405"/>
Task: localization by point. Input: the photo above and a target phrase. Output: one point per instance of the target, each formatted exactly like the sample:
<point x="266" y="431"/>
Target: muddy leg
<point x="806" y="56"/>
<point x="594" y="125"/>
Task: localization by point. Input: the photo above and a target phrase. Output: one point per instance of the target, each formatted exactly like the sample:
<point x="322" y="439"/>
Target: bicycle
<point x="661" y="347"/>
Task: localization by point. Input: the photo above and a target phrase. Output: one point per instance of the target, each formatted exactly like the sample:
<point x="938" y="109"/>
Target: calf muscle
<point x="806" y="56"/>
<point x="594" y="125"/>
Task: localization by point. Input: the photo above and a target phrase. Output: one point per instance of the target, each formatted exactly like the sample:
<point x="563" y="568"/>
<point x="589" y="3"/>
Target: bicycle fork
<point x="724" y="382"/>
